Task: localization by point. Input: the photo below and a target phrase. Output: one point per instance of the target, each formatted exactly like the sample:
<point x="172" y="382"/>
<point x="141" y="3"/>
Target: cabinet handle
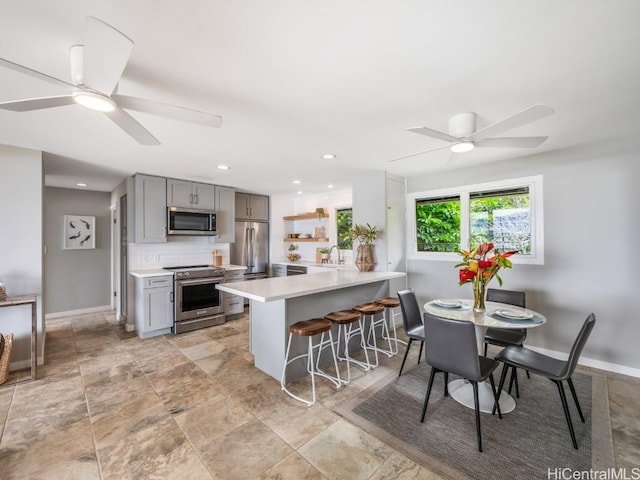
<point x="195" y="199"/>
<point x="171" y="297"/>
<point x="191" y="198"/>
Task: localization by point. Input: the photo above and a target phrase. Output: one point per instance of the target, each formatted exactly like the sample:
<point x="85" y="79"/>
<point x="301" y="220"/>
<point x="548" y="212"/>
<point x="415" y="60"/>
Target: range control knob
<point x="187" y="274"/>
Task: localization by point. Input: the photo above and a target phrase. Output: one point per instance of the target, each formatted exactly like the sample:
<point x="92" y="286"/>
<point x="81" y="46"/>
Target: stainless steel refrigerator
<point x="251" y="248"/>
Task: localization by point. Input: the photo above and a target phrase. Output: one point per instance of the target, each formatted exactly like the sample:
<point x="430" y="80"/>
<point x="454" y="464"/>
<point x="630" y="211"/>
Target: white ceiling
<point x="294" y="79"/>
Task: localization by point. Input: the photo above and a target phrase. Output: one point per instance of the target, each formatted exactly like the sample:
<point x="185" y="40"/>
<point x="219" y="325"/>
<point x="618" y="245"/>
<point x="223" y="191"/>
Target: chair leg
<point x="514" y="381"/>
<point x="575" y="398"/>
<point x="495" y="398"/>
<point x="477" y="405"/>
<point x="426" y="398"/>
<point x="503" y="376"/>
<point x="567" y="415"/>
<point x="406" y="352"/>
<point x="486" y="345"/>
<point x="446" y="384"/>
<point x="420" y="352"/>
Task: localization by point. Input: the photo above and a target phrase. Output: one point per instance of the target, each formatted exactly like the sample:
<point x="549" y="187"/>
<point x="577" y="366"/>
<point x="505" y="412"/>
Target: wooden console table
<point x="30" y="299"/>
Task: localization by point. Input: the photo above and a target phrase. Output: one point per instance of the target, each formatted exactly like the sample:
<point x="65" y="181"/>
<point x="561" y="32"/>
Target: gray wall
<point x="591" y="235"/>
<point x="21" y="181"/>
<point x="76" y="279"/>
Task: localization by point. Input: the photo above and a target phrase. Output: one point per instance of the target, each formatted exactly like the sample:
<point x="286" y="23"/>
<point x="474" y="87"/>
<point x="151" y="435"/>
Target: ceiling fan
<point x="96" y="68"/>
<point x="463" y="136"/>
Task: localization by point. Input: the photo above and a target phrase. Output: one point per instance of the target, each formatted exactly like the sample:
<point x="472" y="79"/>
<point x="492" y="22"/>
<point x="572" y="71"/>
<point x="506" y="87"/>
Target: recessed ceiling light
<point x="94" y="101"/>
<point x="297" y="182"/>
<point x="223" y="167"/>
<point x="329" y="186"/>
<point x="328" y="156"/>
<point x="299" y="192"/>
<point x="81" y="184"/>
<point x="462" y="147"/>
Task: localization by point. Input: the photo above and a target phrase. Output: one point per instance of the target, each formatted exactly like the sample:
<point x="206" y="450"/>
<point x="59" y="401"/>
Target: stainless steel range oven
<point x="198" y="303"/>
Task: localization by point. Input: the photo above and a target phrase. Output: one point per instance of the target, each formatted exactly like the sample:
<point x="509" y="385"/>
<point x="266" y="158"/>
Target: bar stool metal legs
<point x="349" y="325"/>
<point x="392" y="305"/>
<point x="310" y="328"/>
<point x="371" y="310"/>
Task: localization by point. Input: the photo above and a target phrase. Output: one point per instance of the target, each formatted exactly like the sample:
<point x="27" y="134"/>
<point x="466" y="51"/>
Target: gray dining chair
<point x="452" y="348"/>
<point x="555" y="370"/>
<point x="412" y="322"/>
<point x="504" y="337"/>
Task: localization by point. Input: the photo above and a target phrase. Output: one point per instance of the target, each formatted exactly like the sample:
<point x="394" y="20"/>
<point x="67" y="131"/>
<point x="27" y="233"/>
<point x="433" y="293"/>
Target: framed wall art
<point x="79" y="232"/>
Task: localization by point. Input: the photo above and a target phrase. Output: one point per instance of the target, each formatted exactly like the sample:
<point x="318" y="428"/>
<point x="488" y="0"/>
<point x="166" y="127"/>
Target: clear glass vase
<point x="479" y="290"/>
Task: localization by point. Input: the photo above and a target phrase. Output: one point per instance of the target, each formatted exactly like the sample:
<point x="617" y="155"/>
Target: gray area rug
<point x="530" y="442"/>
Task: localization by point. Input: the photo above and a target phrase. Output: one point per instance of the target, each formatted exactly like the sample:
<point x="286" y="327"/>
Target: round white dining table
<point x="461" y="309"/>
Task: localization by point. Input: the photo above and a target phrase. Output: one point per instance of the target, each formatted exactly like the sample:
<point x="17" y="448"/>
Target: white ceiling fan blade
<point x="434" y="134"/>
<point x="512" y="142"/>
<point x="131" y="126"/>
<point x="38" y="103"/>
<point x="528" y="115"/>
<point x="418" y="153"/>
<point x="106" y="53"/>
<point x="166" y="110"/>
<point x="34" y="73"/>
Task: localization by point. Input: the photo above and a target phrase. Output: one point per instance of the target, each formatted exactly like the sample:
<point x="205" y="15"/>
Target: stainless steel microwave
<point x="188" y="221"/>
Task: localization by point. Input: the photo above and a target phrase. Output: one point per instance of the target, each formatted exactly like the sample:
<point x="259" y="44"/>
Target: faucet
<point x="340" y="261"/>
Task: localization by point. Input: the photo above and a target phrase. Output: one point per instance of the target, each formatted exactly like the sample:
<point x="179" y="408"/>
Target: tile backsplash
<point x="177" y="251"/>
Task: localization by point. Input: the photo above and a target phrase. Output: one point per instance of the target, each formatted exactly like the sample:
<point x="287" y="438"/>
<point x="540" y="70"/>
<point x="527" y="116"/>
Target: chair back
<point x="578" y="345"/>
<point x="452" y="347"/>
<point x="512" y="297"/>
<point x="411" y="314"/>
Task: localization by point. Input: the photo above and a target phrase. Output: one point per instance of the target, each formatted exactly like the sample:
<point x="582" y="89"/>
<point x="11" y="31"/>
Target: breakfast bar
<point x="276" y="303"/>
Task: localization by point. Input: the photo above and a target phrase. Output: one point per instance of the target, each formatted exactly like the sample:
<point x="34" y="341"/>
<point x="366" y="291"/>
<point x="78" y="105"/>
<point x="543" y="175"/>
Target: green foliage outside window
<point x="344" y="219"/>
<point x="438" y="225"/>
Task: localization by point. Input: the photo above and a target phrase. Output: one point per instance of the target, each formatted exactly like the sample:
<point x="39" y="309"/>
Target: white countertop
<point x="158" y="272"/>
<point x="278" y="288"/>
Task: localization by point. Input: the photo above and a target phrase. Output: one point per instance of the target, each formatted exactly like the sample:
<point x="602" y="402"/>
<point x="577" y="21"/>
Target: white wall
<point x="591" y="231"/>
<point x="21" y="185"/>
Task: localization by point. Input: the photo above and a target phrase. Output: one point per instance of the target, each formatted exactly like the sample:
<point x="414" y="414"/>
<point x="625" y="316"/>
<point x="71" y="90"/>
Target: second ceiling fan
<point x="463" y="136"/>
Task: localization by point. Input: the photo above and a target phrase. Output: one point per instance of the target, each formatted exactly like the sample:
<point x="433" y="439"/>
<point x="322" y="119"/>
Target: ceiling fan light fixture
<point x="462" y="147"/>
<point x="94" y="101"/>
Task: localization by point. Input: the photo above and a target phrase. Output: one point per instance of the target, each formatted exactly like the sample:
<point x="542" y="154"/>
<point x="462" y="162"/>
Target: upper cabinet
<point x="150" y="200"/>
<point x="181" y="193"/>
<point x="252" y="207"/>
<point x="225" y="207"/>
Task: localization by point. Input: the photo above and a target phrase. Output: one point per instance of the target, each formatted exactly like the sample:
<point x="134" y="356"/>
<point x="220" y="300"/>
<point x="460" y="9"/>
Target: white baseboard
<point x="77" y="312"/>
<point x="590" y="362"/>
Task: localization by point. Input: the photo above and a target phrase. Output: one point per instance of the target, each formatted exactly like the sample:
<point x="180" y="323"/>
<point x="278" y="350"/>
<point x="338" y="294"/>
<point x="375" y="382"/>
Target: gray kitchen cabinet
<point x="225" y="209"/>
<point x="154" y="309"/>
<point x="181" y="193"/>
<point x="150" y="209"/>
<point x="233" y="304"/>
<point x="252" y="207"/>
<point x="278" y="270"/>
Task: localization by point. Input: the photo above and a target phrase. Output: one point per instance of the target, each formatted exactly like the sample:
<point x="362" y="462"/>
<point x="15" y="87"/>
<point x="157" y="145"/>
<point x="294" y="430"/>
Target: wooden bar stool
<point x="309" y="329"/>
<point x="371" y="310"/>
<point x="392" y="305"/>
<point x="346" y="320"/>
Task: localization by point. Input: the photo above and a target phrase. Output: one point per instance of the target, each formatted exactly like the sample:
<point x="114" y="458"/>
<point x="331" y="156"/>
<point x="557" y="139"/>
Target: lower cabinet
<point x="154" y="310"/>
<point x="233" y="304"/>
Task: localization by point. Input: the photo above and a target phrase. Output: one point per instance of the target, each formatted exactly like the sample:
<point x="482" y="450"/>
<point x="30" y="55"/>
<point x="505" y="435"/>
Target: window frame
<point x="535" y="185"/>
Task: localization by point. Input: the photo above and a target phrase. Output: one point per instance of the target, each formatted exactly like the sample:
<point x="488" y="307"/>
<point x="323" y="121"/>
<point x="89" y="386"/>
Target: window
<point x="344" y="220"/>
<point x="506" y="213"/>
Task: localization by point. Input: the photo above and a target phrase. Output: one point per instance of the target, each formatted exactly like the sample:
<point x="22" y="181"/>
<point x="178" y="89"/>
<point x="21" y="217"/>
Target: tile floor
<point x="108" y="405"/>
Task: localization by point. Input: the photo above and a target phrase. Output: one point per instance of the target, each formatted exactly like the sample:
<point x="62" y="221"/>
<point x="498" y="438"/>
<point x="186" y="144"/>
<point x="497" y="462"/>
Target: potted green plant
<point x="324" y="254"/>
<point x="366" y="236"/>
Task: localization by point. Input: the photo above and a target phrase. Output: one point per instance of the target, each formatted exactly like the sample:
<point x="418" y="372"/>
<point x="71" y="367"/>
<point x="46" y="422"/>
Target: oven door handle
<point x="197" y="281"/>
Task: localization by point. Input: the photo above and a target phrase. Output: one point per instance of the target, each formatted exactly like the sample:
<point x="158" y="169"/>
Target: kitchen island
<point x="276" y="303"/>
